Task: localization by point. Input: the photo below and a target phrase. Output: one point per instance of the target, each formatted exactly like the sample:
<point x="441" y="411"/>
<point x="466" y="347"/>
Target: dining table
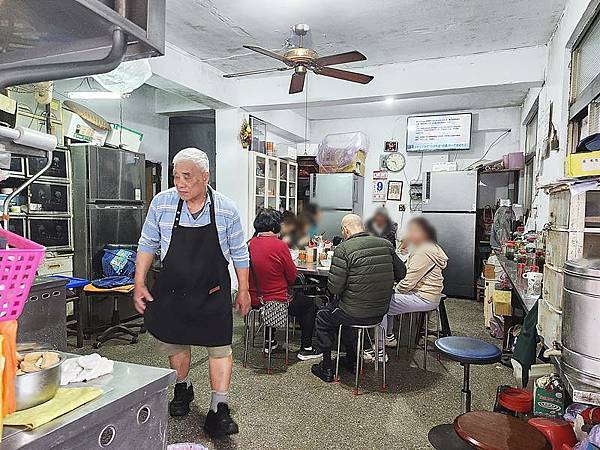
<point x="313" y="269"/>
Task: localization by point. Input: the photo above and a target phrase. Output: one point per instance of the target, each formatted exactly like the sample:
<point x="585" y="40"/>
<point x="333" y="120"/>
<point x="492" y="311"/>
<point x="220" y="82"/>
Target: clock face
<point x="395" y="162"/>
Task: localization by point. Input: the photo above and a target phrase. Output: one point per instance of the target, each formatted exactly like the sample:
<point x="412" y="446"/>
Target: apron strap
<point x="178" y="213"/>
<point x="212" y="208"/>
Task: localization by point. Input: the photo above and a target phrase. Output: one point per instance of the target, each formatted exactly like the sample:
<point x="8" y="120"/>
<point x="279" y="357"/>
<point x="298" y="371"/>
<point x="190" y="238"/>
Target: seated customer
<point x="362" y="275"/>
<point x="272" y="271"/>
<point x="421" y="289"/>
<point x="290" y="232"/>
<point x="382" y="225"/>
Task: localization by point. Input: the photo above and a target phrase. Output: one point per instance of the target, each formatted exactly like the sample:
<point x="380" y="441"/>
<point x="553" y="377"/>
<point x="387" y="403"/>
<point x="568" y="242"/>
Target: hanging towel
<point x="525" y="347"/>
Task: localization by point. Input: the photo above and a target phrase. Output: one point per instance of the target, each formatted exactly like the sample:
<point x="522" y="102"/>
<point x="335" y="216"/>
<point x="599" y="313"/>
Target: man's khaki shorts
<point x="166" y="349"/>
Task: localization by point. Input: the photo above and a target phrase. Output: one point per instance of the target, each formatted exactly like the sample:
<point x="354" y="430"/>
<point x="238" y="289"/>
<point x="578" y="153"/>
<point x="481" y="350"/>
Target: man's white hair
<point x="193" y="155"/>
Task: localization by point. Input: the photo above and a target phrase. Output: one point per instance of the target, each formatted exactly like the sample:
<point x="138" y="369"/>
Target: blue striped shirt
<point x="157" y="229"/>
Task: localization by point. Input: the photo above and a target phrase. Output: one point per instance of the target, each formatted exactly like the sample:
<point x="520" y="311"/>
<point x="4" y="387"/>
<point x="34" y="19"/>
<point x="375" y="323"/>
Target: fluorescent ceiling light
<point x="94" y="95"/>
<point x="389" y="100"/>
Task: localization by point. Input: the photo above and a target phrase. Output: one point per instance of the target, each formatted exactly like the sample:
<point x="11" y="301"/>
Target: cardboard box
<point x="548" y="403"/>
<point x="286" y="151"/>
<point x="357" y="165"/>
<point x="489" y="271"/>
<point x="79" y="130"/>
<point x="502" y="303"/>
<point x="123" y="137"/>
<point x="582" y="164"/>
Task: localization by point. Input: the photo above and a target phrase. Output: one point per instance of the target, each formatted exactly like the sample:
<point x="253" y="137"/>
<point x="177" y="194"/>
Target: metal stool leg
<point x="337" y="357"/>
<point x="253" y="326"/>
<point x="293" y="328"/>
<point x="384" y="385"/>
<point x="465" y="400"/>
<point x="269" y="370"/>
<point x="246" y="337"/>
<point x="359" y="345"/>
<point x="287" y="341"/>
<point x="410" y="321"/>
<point x="426" y="339"/>
<point x="399" y="334"/>
<point x="377" y="349"/>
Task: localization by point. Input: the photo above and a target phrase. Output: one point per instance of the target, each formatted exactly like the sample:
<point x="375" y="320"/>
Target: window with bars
<point x="584" y="110"/>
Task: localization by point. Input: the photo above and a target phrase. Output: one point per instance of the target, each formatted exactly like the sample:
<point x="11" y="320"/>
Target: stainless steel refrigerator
<point x="337" y="194"/>
<point x="450" y="204"/>
<point x="108" y="203"/>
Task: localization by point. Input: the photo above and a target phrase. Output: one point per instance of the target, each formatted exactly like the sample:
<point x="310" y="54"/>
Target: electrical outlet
<point x="402" y="207"/>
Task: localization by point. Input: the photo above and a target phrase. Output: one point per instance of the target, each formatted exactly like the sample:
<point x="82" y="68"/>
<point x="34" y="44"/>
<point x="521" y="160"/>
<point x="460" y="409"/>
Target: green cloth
<point x="525" y="348"/>
<point x="65" y="400"/>
<point x="363" y="271"/>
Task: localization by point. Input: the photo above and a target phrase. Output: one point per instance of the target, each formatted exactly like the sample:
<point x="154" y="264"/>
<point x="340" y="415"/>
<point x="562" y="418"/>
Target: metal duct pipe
<point x="59" y="71"/>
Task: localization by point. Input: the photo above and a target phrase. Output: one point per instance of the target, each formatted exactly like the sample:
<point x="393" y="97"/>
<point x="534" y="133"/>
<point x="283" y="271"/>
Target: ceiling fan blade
<point x="340" y="58"/>
<point x="344" y="75"/>
<point x="269" y="53"/>
<point x="256" y="72"/>
<point x="297" y="83"/>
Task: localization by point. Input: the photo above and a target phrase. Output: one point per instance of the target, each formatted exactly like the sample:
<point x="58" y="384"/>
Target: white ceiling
<point x="496" y="98"/>
<point x="387" y="31"/>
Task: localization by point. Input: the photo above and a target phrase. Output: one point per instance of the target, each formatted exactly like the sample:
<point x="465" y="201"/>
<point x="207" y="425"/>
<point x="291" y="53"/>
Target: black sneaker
<point x="220" y="423"/>
<point x="180" y="405"/>
<point x="274" y="346"/>
<point x="324" y="374"/>
<point x="306" y="354"/>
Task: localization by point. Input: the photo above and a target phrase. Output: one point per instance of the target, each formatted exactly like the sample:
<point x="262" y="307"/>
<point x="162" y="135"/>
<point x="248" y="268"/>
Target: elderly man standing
<point x="198" y="231"/>
<point x="362" y="275"/>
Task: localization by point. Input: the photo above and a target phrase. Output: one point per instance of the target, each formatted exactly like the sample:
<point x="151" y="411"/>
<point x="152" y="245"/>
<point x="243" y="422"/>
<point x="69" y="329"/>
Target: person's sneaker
<point x="348" y="364"/>
<point x="369" y="355"/>
<point x="306" y="354"/>
<point x="324" y="374"/>
<point x="180" y="405"/>
<point x="390" y="341"/>
<point x="274" y="346"/>
<point x="220" y="423"/>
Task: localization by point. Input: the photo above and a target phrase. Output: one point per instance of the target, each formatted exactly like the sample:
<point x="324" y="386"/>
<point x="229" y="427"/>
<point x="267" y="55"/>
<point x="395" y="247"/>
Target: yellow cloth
<point x="121" y="289"/>
<point x="65" y="400"/>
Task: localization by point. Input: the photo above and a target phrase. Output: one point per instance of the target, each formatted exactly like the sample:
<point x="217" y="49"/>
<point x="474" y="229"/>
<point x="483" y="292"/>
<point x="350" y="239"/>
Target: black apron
<point x="192" y="294"/>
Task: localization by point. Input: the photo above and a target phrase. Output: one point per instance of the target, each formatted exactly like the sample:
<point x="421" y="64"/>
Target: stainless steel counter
<point x="132" y="412"/>
<point x="518" y="283"/>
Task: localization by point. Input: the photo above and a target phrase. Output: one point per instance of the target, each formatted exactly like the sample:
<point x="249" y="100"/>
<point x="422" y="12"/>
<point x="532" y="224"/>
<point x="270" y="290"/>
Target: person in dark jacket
<point x="382" y="225"/>
<point x="362" y="275"/>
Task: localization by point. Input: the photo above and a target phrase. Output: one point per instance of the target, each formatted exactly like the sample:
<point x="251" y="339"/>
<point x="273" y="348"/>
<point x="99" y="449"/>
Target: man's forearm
<point x="143" y="262"/>
<point x="242" y="277"/>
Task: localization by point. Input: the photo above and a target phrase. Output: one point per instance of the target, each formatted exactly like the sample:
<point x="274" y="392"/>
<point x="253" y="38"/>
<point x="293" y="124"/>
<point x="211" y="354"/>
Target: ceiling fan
<point x="302" y="59"/>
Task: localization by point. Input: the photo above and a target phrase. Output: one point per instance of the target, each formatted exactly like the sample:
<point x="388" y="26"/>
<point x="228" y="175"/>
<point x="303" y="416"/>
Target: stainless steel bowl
<point x="35" y="388"/>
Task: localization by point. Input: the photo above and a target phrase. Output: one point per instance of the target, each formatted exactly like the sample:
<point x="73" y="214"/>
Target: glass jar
<point x="510" y="250"/>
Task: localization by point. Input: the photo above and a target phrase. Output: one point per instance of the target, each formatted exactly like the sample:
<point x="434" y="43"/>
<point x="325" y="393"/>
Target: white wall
<point x="488" y="124"/>
<point x="138" y="114"/>
<point x="555" y="91"/>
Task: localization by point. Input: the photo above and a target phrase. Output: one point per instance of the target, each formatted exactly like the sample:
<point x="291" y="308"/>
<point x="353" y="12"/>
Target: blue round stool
<point x="467" y="351"/>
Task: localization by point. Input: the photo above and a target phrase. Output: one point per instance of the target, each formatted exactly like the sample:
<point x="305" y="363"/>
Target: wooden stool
<point x="487" y="430"/>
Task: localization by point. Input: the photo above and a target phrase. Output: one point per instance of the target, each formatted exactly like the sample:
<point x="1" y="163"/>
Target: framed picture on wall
<point x="390" y="146"/>
<point x="394" y="190"/>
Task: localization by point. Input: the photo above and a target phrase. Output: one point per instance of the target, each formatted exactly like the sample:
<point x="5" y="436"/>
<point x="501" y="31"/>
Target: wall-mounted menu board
<point x="438" y="133"/>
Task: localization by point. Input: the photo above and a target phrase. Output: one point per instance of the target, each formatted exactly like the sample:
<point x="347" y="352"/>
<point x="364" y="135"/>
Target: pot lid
<point x="588" y="267"/>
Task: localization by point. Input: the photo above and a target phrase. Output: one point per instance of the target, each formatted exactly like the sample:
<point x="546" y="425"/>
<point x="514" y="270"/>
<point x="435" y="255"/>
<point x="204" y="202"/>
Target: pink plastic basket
<point x="18" y="265"/>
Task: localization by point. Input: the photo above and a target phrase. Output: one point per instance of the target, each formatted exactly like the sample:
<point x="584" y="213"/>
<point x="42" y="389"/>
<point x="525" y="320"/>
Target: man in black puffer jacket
<point x="362" y="275"/>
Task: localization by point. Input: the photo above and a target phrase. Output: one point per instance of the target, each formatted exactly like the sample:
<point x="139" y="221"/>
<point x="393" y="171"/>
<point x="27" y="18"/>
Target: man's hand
<point x="243" y="302"/>
<point x="141" y="295"/>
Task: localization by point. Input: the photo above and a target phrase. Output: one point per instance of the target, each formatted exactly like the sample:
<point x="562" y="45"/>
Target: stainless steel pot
<point x="32" y="389"/>
<point x="581" y="320"/>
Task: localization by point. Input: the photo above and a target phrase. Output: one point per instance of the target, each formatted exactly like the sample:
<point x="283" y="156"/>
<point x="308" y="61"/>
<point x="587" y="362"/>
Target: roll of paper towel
<point x="36" y="139"/>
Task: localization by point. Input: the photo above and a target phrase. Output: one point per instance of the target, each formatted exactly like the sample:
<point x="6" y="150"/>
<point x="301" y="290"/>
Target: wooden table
<point x="487" y="430"/>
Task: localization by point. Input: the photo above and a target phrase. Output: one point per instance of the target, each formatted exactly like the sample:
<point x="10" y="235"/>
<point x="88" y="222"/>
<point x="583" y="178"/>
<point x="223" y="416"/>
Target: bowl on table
<point x="35" y="388"/>
<point x="325" y="263"/>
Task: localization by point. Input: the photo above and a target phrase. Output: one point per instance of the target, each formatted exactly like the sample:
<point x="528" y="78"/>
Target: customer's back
<point x="363" y="271"/>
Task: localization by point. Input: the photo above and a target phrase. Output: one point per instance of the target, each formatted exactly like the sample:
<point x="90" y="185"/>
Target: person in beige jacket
<point x="421" y="288"/>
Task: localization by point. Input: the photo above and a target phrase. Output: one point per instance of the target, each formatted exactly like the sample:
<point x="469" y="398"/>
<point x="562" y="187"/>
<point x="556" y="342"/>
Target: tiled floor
<point x="295" y="410"/>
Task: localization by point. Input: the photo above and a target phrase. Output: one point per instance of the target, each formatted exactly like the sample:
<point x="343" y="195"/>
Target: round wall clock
<point x="395" y="162"/>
